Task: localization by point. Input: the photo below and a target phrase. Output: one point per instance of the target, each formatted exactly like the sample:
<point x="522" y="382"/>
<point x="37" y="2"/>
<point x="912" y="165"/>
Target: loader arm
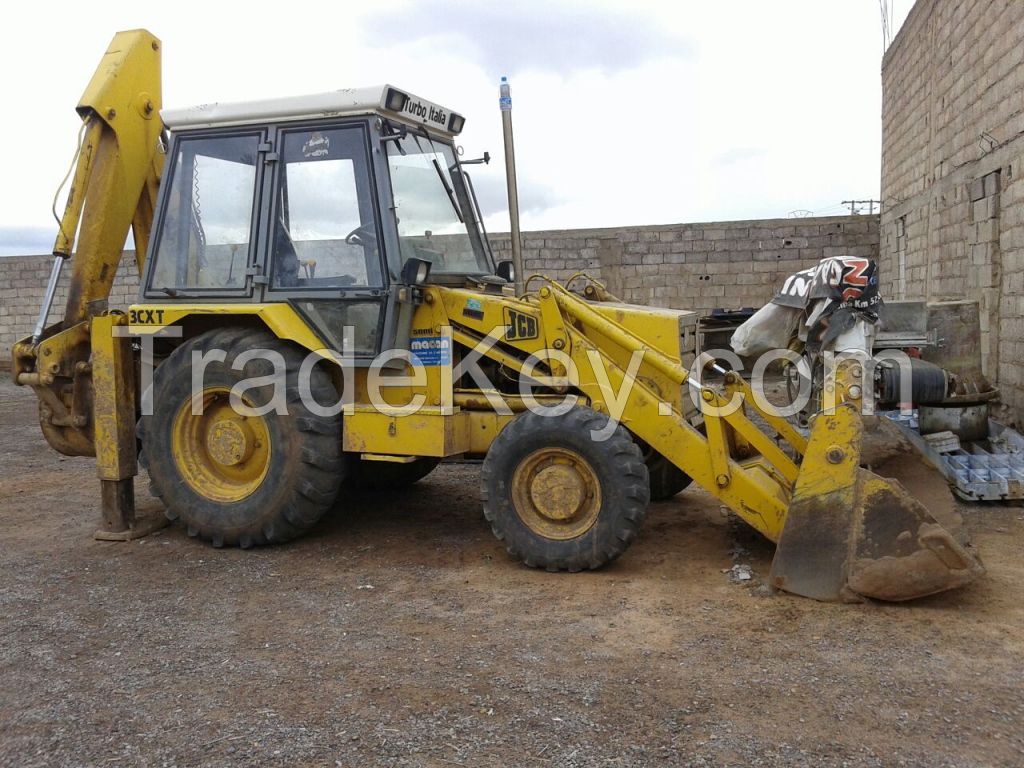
<point x="627" y="373"/>
<point x="758" y="488"/>
<point x="843" y="532"/>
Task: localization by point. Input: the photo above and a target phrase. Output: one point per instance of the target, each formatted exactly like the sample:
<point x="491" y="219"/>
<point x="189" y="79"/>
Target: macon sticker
<point x="431" y="351"/>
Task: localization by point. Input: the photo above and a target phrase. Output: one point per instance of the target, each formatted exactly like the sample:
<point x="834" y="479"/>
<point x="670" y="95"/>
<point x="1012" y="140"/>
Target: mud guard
<point x="851" y="533"/>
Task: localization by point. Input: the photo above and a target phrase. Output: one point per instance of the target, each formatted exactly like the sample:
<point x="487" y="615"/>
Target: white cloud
<point x="529" y="35"/>
<point x="626" y="111"/>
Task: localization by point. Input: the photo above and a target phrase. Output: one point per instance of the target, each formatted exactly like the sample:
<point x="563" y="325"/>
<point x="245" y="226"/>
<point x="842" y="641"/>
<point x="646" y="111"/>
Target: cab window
<point x="433" y="206"/>
<point x="324" y="231"/>
<point x="203" y="243"/>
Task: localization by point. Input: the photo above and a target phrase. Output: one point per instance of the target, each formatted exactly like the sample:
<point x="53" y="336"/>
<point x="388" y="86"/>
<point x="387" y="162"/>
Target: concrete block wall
<point x="687" y="266"/>
<point x="22" y="285"/>
<point x="697" y="266"/>
<point x="952" y="224"/>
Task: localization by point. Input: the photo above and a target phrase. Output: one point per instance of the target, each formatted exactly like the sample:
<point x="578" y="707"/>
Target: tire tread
<point x="317" y="470"/>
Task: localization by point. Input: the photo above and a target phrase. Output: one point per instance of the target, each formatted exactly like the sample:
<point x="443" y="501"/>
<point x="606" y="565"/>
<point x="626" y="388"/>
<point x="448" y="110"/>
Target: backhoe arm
<point x="81" y="368"/>
<point x="118" y="170"/>
<point x="113" y="189"/>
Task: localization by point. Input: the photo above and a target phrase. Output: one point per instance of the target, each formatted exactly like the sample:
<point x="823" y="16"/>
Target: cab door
<point x="321" y="234"/>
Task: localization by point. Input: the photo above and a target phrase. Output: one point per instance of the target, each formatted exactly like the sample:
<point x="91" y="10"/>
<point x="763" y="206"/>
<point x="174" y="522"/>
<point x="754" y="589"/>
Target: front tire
<point x="557" y="498"/>
<point x="241" y="479"/>
<point x="667" y="480"/>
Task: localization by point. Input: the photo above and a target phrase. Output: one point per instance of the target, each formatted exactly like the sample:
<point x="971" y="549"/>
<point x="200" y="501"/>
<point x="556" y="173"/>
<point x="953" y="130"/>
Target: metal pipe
<point x="92" y="131"/>
<point x="513" y="191"/>
<point x="51" y="290"/>
<point x="477" y="400"/>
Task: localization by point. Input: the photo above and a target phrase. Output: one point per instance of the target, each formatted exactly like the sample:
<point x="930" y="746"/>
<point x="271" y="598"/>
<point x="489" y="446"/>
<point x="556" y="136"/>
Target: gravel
<point x="399" y="633"/>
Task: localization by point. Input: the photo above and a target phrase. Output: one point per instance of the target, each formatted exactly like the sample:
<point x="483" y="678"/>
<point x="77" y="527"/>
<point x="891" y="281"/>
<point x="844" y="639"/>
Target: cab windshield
<point x="438" y="219"/>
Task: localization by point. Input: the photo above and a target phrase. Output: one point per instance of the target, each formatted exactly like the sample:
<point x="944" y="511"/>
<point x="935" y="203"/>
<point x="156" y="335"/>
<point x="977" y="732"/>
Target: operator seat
<point x="285" y="258"/>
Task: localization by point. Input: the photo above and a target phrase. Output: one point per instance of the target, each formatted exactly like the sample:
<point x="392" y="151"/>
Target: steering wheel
<point x="361" y="234"/>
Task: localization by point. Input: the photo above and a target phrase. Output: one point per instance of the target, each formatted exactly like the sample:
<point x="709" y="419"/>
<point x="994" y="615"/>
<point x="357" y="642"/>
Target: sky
<point x="625" y="112"/>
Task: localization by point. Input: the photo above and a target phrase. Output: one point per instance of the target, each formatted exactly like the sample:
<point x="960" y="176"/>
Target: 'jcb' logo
<point x="146" y="316"/>
<point x="521" y="326"/>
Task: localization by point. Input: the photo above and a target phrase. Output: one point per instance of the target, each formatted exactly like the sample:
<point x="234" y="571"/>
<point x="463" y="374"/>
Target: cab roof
<point x="385" y="100"/>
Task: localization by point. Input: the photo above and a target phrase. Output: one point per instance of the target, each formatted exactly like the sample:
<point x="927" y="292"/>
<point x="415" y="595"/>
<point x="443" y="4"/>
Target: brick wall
<point x="687" y="266"/>
<point x="952" y="222"/>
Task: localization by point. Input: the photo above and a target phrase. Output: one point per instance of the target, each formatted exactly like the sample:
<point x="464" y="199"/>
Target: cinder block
<point x="991" y="184"/>
<point x="987" y="230"/>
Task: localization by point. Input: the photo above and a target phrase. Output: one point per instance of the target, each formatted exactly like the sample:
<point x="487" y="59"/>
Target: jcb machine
<point x="320" y="310"/>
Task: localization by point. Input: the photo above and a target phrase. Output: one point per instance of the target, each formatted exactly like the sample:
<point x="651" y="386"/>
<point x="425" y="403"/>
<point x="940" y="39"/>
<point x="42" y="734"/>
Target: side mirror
<point x="506" y="271"/>
<point x="415" y="271"/>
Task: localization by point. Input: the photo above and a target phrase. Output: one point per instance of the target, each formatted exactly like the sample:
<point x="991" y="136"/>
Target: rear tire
<point x="241" y="480"/>
<point x="558" y="499"/>
<point x="365" y="475"/>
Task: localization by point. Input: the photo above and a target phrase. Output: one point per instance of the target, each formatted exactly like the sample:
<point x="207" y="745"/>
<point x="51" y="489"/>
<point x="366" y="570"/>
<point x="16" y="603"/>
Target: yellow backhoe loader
<point x="320" y="310"/>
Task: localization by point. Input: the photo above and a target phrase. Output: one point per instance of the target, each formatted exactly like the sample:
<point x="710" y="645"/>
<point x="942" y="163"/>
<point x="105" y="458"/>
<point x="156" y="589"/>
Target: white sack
<point x="771" y="327"/>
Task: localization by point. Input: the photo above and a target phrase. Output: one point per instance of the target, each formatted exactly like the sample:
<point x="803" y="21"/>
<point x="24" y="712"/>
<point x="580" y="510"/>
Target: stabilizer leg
<point x="113" y="375"/>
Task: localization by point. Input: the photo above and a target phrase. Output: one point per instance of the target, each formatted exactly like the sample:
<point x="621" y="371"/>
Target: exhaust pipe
<point x="513" y="191"/>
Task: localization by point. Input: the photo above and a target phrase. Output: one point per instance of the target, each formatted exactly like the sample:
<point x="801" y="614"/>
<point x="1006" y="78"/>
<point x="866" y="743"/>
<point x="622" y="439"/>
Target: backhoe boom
<point x="113" y="189"/>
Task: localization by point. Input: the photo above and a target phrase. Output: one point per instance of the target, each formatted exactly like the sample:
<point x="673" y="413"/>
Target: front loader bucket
<point x="890" y="532"/>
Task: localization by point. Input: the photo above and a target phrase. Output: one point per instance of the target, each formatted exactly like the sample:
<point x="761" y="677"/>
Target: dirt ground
<point x="399" y="633"/>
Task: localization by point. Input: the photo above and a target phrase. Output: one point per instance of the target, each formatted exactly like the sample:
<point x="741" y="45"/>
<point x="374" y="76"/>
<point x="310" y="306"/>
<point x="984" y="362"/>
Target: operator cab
<point x="319" y="201"/>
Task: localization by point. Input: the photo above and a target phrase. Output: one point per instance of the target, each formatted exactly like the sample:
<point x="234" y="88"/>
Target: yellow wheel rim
<point x="556" y="493"/>
<point x="221" y="454"/>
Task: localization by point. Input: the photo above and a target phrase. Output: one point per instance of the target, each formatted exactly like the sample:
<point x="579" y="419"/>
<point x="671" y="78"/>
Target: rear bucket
<point x="887" y="532"/>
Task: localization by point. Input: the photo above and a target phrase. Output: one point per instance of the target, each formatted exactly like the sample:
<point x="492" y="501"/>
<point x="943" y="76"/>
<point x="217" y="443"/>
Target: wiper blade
<point x="449" y="190"/>
<point x="175" y="294"/>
